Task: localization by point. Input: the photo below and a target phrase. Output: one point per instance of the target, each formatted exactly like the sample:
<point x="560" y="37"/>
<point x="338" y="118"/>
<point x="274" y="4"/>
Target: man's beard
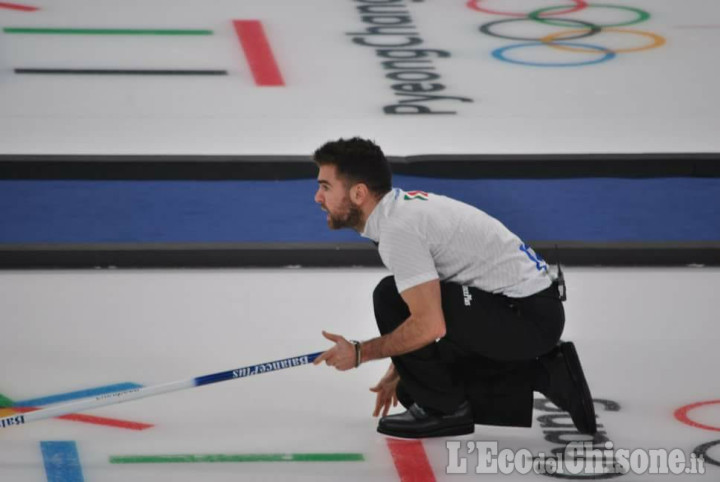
<point x="349" y="217"/>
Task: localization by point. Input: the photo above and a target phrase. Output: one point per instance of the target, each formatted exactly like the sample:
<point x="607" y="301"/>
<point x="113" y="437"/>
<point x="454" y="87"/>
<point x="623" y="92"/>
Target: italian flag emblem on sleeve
<point x="411" y="195"/>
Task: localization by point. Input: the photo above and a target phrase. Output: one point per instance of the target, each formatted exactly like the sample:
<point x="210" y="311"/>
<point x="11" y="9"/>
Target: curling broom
<point x="144" y="392"/>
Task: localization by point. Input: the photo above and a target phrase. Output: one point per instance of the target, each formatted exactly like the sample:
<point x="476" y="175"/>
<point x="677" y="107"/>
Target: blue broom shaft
<point x="256" y="369"/>
<point x="145" y="392"/>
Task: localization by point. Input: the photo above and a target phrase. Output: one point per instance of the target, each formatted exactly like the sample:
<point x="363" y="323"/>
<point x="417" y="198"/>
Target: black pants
<point x="488" y="355"/>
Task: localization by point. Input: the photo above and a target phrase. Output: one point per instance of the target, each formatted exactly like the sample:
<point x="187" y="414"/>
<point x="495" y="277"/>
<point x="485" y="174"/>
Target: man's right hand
<point x="386" y="392"/>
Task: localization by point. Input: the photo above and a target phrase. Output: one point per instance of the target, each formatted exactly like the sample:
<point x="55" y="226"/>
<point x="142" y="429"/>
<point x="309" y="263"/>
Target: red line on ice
<point x="258" y="53"/>
<point x="15" y="6"/>
<point x="108" y="422"/>
<point x="410" y="460"/>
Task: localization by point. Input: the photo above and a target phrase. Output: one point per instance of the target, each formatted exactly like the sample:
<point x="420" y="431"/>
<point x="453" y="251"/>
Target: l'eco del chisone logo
<point x="571" y="33"/>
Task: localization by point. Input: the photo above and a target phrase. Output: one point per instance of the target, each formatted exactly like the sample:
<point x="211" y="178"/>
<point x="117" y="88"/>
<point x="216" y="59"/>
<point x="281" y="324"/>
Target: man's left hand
<point x="341" y="356"/>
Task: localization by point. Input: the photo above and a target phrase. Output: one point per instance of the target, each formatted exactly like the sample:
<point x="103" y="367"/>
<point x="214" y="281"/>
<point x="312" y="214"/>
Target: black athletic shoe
<point x="417" y="422"/>
<point x="567" y="387"/>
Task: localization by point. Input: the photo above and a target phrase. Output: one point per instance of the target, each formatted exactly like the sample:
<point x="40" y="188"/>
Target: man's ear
<point x="359" y="193"/>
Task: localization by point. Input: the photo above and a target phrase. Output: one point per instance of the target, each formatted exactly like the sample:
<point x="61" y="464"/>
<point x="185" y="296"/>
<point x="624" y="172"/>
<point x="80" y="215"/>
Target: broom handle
<point x="144" y="392"/>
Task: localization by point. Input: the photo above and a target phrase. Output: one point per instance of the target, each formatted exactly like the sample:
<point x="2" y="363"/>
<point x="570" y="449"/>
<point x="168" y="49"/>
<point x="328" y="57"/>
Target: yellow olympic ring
<point x="657" y="40"/>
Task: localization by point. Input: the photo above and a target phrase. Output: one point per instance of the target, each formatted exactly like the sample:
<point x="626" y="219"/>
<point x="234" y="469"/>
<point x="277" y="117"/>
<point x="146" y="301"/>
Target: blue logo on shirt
<point x="534" y="257"/>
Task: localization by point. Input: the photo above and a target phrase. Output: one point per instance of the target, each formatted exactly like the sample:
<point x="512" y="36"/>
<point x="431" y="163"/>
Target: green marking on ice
<point x="5" y="402"/>
<point x="102" y="31"/>
<point x="216" y="458"/>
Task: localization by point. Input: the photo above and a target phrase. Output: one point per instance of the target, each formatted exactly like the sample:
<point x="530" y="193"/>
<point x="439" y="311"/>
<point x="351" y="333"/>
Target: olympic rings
<point x="475" y="5"/>
<point x="642" y="15"/>
<point x="702" y="451"/>
<point x="500" y="55"/>
<point x="657" y="40"/>
<point x="681" y="414"/>
<point x="592" y="29"/>
<point x="559" y="40"/>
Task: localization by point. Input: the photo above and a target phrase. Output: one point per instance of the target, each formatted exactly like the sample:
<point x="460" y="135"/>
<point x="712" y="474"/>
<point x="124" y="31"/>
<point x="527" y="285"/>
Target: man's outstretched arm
<point x="425" y="325"/>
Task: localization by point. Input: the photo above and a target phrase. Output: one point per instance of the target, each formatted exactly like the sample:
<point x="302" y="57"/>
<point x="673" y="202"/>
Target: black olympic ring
<point x="593" y="29"/>
<point x="702" y="451"/>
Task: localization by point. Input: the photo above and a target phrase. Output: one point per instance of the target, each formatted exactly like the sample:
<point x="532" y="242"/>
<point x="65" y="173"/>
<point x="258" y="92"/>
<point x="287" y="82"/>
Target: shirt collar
<point x="380" y="212"/>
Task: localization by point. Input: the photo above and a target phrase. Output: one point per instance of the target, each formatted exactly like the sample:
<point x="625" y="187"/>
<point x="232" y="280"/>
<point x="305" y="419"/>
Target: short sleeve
<point x="407" y="255"/>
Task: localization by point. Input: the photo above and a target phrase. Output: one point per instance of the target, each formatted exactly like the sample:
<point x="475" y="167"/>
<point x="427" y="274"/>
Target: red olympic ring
<point x="475" y="5"/>
<point x="682" y="415"/>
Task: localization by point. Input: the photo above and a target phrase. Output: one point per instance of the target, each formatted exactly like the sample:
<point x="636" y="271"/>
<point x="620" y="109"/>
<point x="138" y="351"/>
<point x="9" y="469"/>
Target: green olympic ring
<point x="642" y="15"/>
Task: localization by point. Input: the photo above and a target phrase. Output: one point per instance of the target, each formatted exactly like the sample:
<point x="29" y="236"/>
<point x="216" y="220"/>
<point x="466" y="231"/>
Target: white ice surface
<point x="648" y="340"/>
<point x="650" y="101"/>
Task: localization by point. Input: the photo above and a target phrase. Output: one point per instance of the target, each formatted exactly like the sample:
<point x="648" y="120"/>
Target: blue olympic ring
<point x="500" y="54"/>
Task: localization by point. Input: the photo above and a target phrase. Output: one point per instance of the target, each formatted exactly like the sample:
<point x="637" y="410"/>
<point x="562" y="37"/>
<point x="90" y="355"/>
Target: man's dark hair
<point x="357" y="160"/>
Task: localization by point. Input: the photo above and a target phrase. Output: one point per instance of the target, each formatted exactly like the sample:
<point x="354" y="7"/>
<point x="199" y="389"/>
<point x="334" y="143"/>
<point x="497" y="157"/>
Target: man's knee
<point x="390" y="308"/>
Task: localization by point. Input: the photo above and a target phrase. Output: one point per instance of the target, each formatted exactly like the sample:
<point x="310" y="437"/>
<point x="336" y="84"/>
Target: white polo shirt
<point x="424" y="236"/>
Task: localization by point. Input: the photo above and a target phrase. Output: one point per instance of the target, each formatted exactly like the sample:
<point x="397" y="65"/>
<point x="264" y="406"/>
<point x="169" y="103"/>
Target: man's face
<point x="333" y="195"/>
